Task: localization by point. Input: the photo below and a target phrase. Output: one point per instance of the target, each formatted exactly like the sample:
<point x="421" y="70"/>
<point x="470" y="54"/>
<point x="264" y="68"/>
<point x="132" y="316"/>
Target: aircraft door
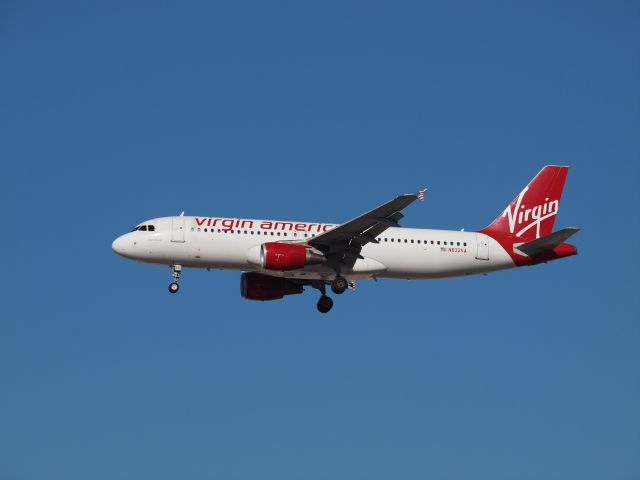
<point x="177" y="229"/>
<point x="483" y="247"/>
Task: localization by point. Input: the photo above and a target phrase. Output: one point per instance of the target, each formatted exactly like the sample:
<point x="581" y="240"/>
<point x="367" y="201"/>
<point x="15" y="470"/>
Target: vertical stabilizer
<point x="532" y="213"/>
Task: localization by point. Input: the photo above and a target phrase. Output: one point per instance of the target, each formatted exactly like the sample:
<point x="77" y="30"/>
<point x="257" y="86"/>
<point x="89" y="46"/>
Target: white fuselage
<point x="216" y="243"/>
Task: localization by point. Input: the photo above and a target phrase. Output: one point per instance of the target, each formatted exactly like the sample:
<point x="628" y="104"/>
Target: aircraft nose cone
<point x="118" y="246"/>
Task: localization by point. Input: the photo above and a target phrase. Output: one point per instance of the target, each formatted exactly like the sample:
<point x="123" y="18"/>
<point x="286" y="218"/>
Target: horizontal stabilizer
<point x="548" y="242"/>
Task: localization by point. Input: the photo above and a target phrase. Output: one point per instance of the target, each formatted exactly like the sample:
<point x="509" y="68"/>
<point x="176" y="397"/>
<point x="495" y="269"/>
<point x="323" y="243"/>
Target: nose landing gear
<point x="176" y="271"/>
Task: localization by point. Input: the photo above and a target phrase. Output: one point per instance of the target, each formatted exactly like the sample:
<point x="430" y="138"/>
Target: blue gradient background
<point x="115" y="113"/>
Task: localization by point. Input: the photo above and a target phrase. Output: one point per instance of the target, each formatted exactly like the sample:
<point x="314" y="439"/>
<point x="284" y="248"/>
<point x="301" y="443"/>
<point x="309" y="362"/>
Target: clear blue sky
<point x="115" y="113"/>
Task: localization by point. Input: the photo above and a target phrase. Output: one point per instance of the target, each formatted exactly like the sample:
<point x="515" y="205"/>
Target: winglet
<point x="420" y="194"/>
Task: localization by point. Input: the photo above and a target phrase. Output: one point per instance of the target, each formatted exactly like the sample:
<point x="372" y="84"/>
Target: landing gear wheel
<point x="339" y="285"/>
<point x="324" y="304"/>
<point x="176" y="270"/>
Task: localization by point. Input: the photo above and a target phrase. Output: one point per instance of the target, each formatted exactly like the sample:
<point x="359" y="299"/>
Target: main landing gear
<point x="324" y="304"/>
<point x="176" y="271"/>
<point x="339" y="285"/>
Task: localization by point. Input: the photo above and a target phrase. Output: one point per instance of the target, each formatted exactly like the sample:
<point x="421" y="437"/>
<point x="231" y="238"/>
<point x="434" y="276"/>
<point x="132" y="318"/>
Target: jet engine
<point x="284" y="256"/>
<point x="255" y="286"/>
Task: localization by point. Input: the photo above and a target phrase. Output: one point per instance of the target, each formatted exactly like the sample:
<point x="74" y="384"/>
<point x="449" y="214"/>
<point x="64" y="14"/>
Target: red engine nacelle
<point x="255" y="286"/>
<point x="288" y="256"/>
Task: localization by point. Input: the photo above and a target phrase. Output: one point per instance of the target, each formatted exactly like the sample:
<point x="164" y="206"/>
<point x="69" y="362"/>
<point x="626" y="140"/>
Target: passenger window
<point x="465" y="244"/>
<point x="205" y="229"/>
<point x="438" y="242"/>
<point x="458" y="244"/>
<point x="385" y="239"/>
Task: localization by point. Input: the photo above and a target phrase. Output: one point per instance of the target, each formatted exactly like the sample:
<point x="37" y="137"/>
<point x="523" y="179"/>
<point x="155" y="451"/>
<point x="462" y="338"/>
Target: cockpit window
<point x="144" y="228"/>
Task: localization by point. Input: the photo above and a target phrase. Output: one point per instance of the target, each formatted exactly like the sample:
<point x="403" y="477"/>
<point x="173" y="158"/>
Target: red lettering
<point x="283" y="225"/>
<point x="200" y="222"/>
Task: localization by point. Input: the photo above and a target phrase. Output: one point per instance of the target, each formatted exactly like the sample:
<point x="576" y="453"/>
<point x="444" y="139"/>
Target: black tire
<point x="339" y="285"/>
<point x="174" y="287"/>
<point x="324" y="304"/>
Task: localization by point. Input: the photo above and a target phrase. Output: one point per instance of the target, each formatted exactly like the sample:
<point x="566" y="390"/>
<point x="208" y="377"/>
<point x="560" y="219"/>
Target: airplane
<point x="280" y="258"/>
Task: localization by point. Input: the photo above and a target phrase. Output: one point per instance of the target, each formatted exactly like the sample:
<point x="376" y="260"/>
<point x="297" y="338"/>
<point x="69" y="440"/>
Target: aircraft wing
<point x="343" y="243"/>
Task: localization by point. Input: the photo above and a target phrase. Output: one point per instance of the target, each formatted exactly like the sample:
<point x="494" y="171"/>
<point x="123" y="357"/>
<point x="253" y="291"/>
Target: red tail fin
<point x="531" y="214"/>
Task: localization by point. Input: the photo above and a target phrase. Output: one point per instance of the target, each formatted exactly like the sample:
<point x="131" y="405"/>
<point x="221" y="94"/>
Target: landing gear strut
<point x="176" y="271"/>
<point x="324" y="303"/>
<point x="339" y="285"/>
